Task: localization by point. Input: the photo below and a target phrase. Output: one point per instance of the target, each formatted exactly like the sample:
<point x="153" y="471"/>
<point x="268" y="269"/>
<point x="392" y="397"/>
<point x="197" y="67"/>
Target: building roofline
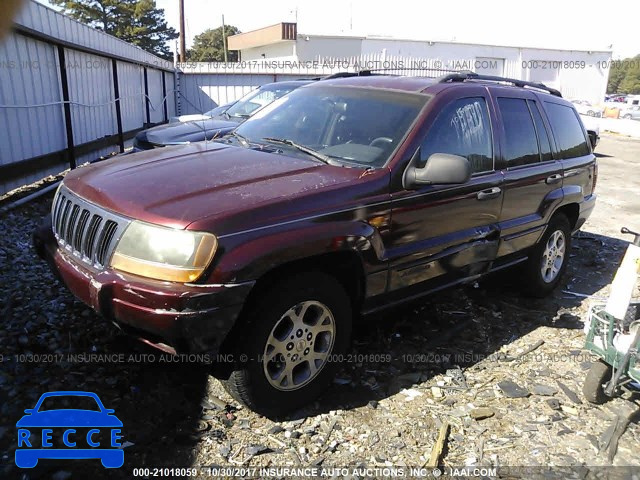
<point x="445" y="42"/>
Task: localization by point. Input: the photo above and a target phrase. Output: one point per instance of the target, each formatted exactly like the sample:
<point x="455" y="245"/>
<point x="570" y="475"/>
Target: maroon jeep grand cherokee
<point x="346" y="196"/>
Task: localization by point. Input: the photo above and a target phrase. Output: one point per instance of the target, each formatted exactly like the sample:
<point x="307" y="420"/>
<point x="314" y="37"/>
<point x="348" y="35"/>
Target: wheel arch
<point x="345" y="266"/>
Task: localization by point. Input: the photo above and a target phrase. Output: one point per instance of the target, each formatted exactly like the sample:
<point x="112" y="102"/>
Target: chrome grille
<point x="90" y="233"/>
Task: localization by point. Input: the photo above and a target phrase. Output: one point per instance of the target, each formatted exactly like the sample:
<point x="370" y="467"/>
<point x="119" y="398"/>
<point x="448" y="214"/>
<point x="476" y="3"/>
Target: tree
<point x="135" y="21"/>
<point x="631" y="81"/>
<point x="208" y="46"/>
<point x="624" y="76"/>
<point x="617" y="73"/>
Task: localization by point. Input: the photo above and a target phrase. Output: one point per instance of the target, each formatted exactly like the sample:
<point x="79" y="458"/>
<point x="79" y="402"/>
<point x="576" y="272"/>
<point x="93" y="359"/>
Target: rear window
<point x="543" y="137"/>
<point x="567" y="130"/>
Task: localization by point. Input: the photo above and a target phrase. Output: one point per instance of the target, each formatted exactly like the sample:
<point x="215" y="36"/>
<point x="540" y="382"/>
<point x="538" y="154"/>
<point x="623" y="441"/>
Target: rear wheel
<point x="627" y="116"/>
<point x="293" y="333"/>
<point x="593" y="388"/>
<point x="548" y="260"/>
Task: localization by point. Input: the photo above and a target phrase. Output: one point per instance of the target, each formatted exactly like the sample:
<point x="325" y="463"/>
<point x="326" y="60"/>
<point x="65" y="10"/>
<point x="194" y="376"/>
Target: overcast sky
<point x="562" y="24"/>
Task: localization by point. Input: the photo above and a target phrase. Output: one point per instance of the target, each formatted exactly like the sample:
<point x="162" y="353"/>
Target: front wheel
<point x="292" y="338"/>
<point x="549" y="257"/>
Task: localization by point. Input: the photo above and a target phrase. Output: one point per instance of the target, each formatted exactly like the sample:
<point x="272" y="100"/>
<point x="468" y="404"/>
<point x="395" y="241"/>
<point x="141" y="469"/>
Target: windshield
<point x="257" y="99"/>
<point x="348" y="124"/>
<point x="216" y="111"/>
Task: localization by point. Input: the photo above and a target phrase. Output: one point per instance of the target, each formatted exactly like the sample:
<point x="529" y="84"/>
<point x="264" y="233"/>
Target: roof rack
<point x="461" y="77"/>
<point x="361" y="73"/>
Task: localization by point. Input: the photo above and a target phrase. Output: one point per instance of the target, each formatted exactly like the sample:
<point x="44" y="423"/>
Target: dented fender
<point x="248" y="257"/>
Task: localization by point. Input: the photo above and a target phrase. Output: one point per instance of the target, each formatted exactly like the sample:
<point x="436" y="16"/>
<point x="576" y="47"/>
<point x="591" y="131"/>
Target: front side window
<point x="521" y="143"/>
<point x="349" y="125"/>
<point x="570" y="138"/>
<point x="462" y="128"/>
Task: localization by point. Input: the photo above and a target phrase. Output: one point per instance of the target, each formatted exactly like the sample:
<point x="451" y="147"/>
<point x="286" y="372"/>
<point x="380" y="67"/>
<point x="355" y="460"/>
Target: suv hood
<point x="194" y="131"/>
<point x="176" y="186"/>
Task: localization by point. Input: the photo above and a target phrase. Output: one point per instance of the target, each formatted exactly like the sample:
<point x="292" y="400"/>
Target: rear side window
<point x="521" y="143"/>
<point x="462" y="128"/>
<point x="543" y="136"/>
<point x="568" y="131"/>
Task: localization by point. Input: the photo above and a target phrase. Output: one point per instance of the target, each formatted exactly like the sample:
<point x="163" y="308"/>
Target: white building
<point x="577" y="74"/>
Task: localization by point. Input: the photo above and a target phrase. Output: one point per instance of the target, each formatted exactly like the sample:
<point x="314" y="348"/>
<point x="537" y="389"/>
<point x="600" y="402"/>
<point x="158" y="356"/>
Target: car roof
<point x="426" y="85"/>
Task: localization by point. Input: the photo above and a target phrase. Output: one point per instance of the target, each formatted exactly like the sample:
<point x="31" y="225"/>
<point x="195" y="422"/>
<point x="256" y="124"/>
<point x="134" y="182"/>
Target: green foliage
<point x="208" y="46"/>
<point x="135" y="21"/>
<point x="624" y="76"/>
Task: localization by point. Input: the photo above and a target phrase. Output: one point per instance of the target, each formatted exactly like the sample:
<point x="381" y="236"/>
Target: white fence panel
<point x="156" y="108"/>
<point x="91" y="94"/>
<point x="171" y="93"/>
<point x="29" y="76"/>
<point x="132" y="100"/>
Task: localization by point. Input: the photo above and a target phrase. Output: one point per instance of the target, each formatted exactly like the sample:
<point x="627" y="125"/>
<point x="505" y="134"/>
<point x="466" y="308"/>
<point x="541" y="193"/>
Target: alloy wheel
<point x="553" y="256"/>
<point x="299" y="345"/>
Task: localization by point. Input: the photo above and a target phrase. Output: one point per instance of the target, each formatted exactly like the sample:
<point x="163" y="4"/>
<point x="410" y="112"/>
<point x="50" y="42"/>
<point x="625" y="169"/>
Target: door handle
<point x="554" y="178"/>
<point x="488" y="194"/>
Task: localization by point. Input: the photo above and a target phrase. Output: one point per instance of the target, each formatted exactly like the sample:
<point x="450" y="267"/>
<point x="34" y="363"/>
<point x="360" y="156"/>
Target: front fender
<point x="248" y="257"/>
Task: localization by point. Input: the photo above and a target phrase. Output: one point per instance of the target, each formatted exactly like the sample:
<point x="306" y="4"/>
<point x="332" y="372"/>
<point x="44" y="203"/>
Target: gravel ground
<point x="461" y="358"/>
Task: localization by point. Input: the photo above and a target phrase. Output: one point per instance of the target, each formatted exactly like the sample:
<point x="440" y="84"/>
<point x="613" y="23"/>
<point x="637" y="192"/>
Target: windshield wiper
<point x="242" y="139"/>
<point x="302" y="148"/>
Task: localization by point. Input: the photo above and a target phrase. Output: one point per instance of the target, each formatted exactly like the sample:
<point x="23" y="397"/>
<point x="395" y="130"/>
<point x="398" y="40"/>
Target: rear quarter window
<point x="567" y="129"/>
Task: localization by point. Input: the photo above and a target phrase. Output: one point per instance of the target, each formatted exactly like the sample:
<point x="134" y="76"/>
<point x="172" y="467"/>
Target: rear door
<point x="532" y="176"/>
<point x="573" y="150"/>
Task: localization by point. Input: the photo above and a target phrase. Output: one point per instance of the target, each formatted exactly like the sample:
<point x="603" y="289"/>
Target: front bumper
<point x="174" y="317"/>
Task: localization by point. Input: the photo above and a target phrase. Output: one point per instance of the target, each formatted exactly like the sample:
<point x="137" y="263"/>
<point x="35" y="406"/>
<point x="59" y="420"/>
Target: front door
<point x="442" y="233"/>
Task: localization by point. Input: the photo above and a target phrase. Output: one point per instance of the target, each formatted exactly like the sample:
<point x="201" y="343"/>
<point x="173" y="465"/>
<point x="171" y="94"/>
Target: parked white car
<point x="585" y="108"/>
<point x="632" y="113"/>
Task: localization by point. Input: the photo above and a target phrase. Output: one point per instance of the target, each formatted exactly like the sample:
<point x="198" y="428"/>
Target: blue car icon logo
<point x="53" y="429"/>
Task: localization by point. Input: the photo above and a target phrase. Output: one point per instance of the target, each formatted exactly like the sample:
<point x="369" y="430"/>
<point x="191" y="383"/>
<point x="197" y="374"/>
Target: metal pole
<point x="67" y="107"/>
<point x="224" y="41"/>
<point x="146" y="94"/>
<point x="183" y="43"/>
<point x="116" y="91"/>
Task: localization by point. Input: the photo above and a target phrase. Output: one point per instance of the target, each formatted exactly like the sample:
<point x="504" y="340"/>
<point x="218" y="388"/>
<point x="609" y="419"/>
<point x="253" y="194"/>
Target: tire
<point x="633" y="314"/>
<point x="591" y="113"/>
<point x="535" y="283"/>
<point x="627" y="116"/>
<point x="598" y="375"/>
<point x="283" y="384"/>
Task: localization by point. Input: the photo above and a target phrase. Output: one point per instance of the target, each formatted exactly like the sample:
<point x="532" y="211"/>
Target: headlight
<point x="163" y="253"/>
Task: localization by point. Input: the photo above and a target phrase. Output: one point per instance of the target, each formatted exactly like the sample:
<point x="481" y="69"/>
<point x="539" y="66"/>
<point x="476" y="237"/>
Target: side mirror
<point x="440" y="169"/>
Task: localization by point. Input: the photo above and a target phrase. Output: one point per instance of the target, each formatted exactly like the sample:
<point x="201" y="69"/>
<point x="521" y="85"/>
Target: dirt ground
<point x="503" y="371"/>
